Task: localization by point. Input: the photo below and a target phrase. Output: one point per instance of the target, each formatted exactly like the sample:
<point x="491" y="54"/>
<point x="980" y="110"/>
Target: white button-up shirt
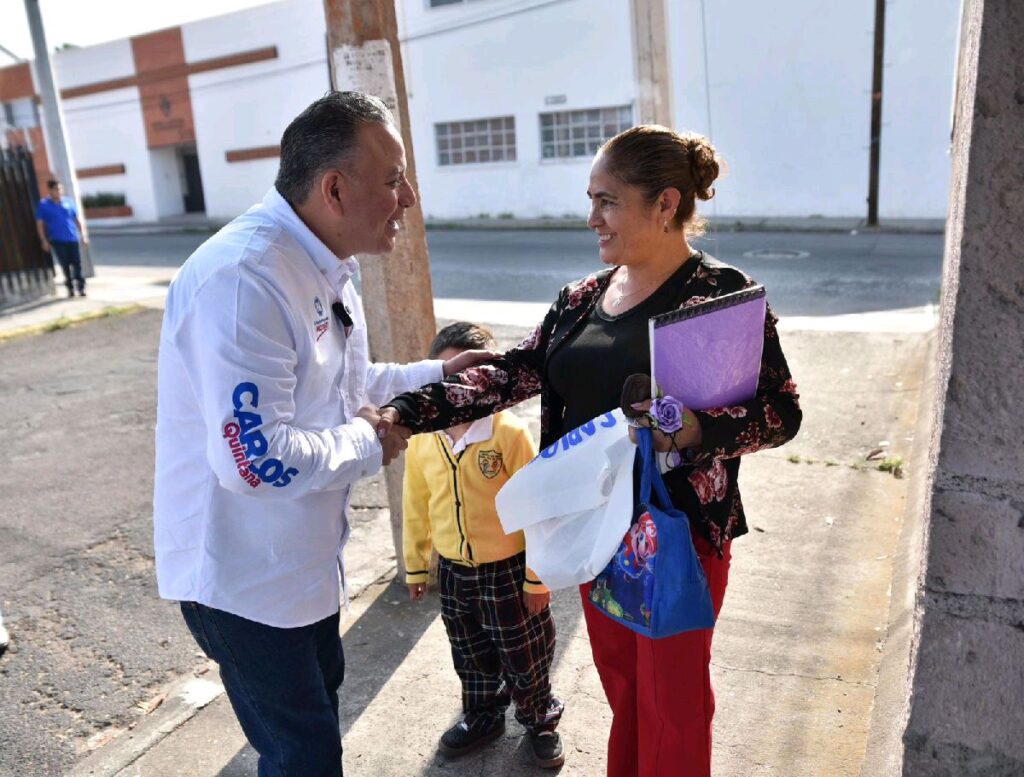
<point x="257" y="443"/>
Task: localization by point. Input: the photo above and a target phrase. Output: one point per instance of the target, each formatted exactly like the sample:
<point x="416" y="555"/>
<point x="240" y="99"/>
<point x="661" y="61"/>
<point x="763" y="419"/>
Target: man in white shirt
<point x="267" y="416"/>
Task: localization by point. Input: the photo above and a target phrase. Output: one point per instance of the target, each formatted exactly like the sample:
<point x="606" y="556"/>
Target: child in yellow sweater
<point x="494" y="608"/>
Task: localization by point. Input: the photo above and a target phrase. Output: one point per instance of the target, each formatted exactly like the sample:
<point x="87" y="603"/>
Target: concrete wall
<point x="249" y="106"/>
<point x="960" y="679"/>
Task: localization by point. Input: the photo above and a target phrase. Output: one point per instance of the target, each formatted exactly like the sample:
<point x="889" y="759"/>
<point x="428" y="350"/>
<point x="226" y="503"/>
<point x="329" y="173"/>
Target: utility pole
<point x="53" y="118"/>
<point x="365" y="56"/>
<point x="876" y="112"/>
<point x="651" y="62"/>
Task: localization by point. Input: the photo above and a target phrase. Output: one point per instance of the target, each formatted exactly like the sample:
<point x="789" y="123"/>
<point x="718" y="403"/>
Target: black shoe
<point x="4" y="639"/>
<point x="81" y="292"/>
<point x="71" y="293"/>
<point x="547" y="749"/>
<point x="460" y="739"/>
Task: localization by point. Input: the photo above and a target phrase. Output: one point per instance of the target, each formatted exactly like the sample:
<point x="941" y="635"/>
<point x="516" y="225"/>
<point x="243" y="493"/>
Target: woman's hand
<point x="689" y="436"/>
<point x="468" y="359"/>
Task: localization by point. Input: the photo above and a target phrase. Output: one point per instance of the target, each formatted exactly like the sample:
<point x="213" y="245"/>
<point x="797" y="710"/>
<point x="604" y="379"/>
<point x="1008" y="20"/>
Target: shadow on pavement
<point x="377" y="644"/>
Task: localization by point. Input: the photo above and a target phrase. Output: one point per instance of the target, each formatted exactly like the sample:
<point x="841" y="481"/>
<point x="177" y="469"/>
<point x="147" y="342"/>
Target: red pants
<point x="659" y="689"/>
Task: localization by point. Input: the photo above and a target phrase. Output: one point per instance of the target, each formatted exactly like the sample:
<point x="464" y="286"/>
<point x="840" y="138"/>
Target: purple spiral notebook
<point x="709" y="354"/>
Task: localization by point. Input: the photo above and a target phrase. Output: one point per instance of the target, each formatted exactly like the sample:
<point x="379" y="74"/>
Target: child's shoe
<point x="547" y="749"/>
<point x="460" y="739"/>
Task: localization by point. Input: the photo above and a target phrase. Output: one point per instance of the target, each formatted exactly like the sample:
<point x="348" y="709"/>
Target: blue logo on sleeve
<point x="248" y="443"/>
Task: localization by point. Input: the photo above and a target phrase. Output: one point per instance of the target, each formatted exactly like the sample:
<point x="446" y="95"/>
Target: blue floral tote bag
<point x="654" y="583"/>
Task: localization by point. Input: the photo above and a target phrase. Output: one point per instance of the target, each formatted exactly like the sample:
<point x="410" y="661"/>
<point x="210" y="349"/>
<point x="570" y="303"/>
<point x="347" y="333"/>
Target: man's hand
<point x="417" y="591"/>
<point x="46" y="246"/>
<point x="393" y="438"/>
<point x="389" y="420"/>
<point x="536" y="603"/>
<point x="468" y="359"/>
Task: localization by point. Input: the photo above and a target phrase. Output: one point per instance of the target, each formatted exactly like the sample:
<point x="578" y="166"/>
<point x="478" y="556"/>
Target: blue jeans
<point x="283" y="685"/>
<point x="70" y="259"/>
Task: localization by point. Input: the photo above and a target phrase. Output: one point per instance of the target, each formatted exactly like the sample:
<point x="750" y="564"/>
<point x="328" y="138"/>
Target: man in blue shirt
<point x="60" y="230"/>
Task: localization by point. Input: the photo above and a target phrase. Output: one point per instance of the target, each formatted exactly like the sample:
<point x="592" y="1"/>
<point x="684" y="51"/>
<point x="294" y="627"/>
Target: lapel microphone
<point x="343" y="315"/>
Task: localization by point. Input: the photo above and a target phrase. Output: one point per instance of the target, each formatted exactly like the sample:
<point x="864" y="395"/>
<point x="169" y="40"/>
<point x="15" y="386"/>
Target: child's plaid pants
<point x="501" y="652"/>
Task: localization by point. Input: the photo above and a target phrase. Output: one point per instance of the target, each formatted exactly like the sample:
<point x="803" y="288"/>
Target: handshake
<point x="394" y="438"/>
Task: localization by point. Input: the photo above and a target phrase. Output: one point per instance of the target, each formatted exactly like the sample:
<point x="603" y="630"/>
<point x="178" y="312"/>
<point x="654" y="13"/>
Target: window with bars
<point x="568" y="134"/>
<point x="472" y="142"/>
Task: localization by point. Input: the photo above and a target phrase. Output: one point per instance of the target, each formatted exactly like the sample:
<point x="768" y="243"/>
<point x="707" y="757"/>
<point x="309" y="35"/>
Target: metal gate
<point x="26" y="270"/>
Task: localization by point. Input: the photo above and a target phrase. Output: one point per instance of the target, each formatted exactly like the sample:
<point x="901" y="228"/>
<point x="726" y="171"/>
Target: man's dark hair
<point x="53" y="183"/>
<point x="461" y="335"/>
<point x="324" y="136"/>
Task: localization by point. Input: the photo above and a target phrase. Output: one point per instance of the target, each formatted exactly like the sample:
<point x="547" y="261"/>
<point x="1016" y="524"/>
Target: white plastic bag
<point x="574" y="501"/>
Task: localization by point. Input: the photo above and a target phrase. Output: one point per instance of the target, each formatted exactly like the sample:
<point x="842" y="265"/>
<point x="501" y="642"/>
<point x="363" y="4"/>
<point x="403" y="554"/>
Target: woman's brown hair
<point x="654" y="158"/>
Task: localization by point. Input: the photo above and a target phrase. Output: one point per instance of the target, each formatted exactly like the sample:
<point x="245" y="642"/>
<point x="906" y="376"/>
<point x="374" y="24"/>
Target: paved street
<point x="827" y="273"/>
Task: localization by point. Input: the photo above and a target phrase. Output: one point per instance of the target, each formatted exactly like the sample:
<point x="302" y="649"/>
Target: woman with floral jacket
<point x="643" y="189"/>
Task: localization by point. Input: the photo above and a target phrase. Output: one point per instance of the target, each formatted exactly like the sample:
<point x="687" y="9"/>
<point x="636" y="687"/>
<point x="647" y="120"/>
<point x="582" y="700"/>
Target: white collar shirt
<point x="257" y="439"/>
<point x="481" y="430"/>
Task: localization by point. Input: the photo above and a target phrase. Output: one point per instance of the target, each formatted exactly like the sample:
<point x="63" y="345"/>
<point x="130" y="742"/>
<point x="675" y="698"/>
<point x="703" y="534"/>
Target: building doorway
<point x="193" y="194"/>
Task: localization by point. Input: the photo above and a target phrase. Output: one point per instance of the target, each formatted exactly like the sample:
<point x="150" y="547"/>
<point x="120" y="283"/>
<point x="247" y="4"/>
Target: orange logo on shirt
<point x="490" y="463"/>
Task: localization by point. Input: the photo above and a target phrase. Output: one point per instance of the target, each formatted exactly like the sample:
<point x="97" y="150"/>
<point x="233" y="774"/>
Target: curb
<point x="884" y="749"/>
<point x="180" y="702"/>
<point x="63" y="322"/>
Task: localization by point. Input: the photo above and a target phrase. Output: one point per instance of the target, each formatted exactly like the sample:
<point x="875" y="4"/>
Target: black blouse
<point x="768" y="420"/>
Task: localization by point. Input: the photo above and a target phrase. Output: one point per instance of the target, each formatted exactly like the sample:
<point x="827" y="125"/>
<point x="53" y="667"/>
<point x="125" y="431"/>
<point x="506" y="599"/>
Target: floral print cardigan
<point x="768" y="420"/>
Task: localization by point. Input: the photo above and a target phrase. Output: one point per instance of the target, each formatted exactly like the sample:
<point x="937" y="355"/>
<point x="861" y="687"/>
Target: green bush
<point x="102" y="200"/>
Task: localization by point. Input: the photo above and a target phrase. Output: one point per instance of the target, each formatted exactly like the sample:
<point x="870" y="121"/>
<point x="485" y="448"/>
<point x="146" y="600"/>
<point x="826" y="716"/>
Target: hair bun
<point x="703" y="166"/>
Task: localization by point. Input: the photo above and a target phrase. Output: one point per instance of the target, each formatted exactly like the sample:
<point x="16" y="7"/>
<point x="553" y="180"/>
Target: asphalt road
<point x="806" y="274"/>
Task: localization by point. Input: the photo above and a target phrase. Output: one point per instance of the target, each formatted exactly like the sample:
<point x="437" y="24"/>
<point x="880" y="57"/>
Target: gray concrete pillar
<point x="965" y="707"/>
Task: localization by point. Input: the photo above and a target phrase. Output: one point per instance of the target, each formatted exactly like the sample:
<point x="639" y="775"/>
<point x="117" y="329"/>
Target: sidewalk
<point x="112" y="288"/>
<point x="796" y="650"/>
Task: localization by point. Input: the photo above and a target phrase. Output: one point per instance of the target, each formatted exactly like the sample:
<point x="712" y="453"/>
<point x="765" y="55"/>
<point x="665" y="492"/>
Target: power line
<point x="11" y="54"/>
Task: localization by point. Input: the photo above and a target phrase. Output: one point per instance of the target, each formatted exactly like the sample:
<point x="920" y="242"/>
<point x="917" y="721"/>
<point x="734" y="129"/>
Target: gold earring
<point x="666" y="227"/>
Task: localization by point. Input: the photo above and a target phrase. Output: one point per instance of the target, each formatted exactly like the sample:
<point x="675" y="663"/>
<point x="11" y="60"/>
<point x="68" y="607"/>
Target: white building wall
<point x="497" y="58"/>
<point x="917" y="108"/>
<point x="107" y="128"/>
<point x="249" y="106"/>
<point x="789" y="101"/>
